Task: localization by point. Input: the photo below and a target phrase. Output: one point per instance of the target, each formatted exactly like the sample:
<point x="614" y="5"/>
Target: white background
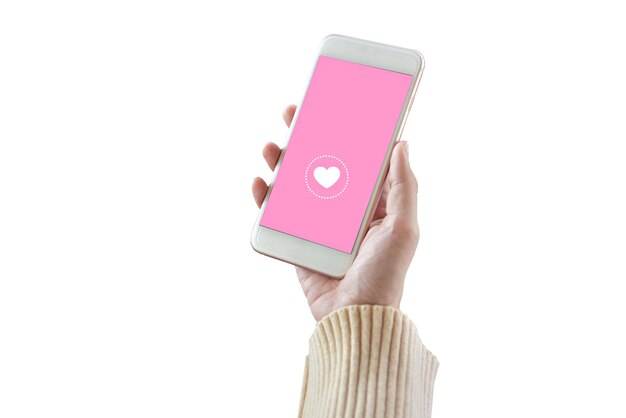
<point x="130" y="132"/>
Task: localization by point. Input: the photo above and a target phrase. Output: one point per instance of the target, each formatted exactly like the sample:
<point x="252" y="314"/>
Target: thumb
<point x="402" y="198"/>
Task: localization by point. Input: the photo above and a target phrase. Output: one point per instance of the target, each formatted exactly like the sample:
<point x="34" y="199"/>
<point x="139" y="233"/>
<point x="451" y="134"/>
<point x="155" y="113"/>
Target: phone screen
<point x="335" y="153"/>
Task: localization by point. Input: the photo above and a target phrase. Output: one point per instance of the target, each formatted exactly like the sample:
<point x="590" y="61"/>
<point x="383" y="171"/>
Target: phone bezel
<point x="308" y="254"/>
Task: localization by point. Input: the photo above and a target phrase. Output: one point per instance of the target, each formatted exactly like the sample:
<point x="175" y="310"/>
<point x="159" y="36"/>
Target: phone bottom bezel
<point x="300" y="252"/>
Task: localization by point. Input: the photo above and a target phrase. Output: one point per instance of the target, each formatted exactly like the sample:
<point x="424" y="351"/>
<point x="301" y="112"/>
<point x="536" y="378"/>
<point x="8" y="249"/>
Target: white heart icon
<point x="326" y="177"/>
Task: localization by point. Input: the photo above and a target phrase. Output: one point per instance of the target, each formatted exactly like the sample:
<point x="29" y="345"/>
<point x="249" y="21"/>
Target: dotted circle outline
<point x="306" y="176"/>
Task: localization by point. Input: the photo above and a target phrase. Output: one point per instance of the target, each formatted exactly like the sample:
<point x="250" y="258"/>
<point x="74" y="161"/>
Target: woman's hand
<point x="377" y="275"/>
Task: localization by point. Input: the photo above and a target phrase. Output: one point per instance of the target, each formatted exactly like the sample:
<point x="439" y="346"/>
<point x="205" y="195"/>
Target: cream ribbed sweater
<point x="367" y="362"/>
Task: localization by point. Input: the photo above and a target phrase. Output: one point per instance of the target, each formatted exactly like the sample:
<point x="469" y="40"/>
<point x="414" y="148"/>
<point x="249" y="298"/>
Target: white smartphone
<point x="329" y="176"/>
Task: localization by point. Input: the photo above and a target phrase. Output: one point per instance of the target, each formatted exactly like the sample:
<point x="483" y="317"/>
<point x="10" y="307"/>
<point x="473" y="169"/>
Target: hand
<point x="377" y="275"/>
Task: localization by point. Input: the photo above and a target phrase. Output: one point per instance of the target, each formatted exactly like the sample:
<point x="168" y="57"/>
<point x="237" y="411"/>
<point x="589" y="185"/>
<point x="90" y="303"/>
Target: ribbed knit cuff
<point x="367" y="361"/>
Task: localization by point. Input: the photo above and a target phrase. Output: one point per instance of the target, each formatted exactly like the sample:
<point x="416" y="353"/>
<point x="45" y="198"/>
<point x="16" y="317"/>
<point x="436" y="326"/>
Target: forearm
<point x="367" y="361"/>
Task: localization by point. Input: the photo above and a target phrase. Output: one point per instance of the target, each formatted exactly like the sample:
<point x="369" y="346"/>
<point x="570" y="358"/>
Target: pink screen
<point x="335" y="152"/>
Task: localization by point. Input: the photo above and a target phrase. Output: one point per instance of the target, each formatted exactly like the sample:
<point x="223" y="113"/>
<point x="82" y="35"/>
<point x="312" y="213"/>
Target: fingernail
<point x="406" y="148"/>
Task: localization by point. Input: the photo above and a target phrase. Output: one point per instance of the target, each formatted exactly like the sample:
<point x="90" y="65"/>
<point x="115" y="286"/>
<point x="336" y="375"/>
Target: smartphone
<point x="330" y="174"/>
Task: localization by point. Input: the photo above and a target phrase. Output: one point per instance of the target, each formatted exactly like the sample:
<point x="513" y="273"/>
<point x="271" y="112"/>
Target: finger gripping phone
<point x="329" y="176"/>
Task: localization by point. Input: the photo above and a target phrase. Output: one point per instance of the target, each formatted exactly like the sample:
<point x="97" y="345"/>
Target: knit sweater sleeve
<point x="367" y="361"/>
